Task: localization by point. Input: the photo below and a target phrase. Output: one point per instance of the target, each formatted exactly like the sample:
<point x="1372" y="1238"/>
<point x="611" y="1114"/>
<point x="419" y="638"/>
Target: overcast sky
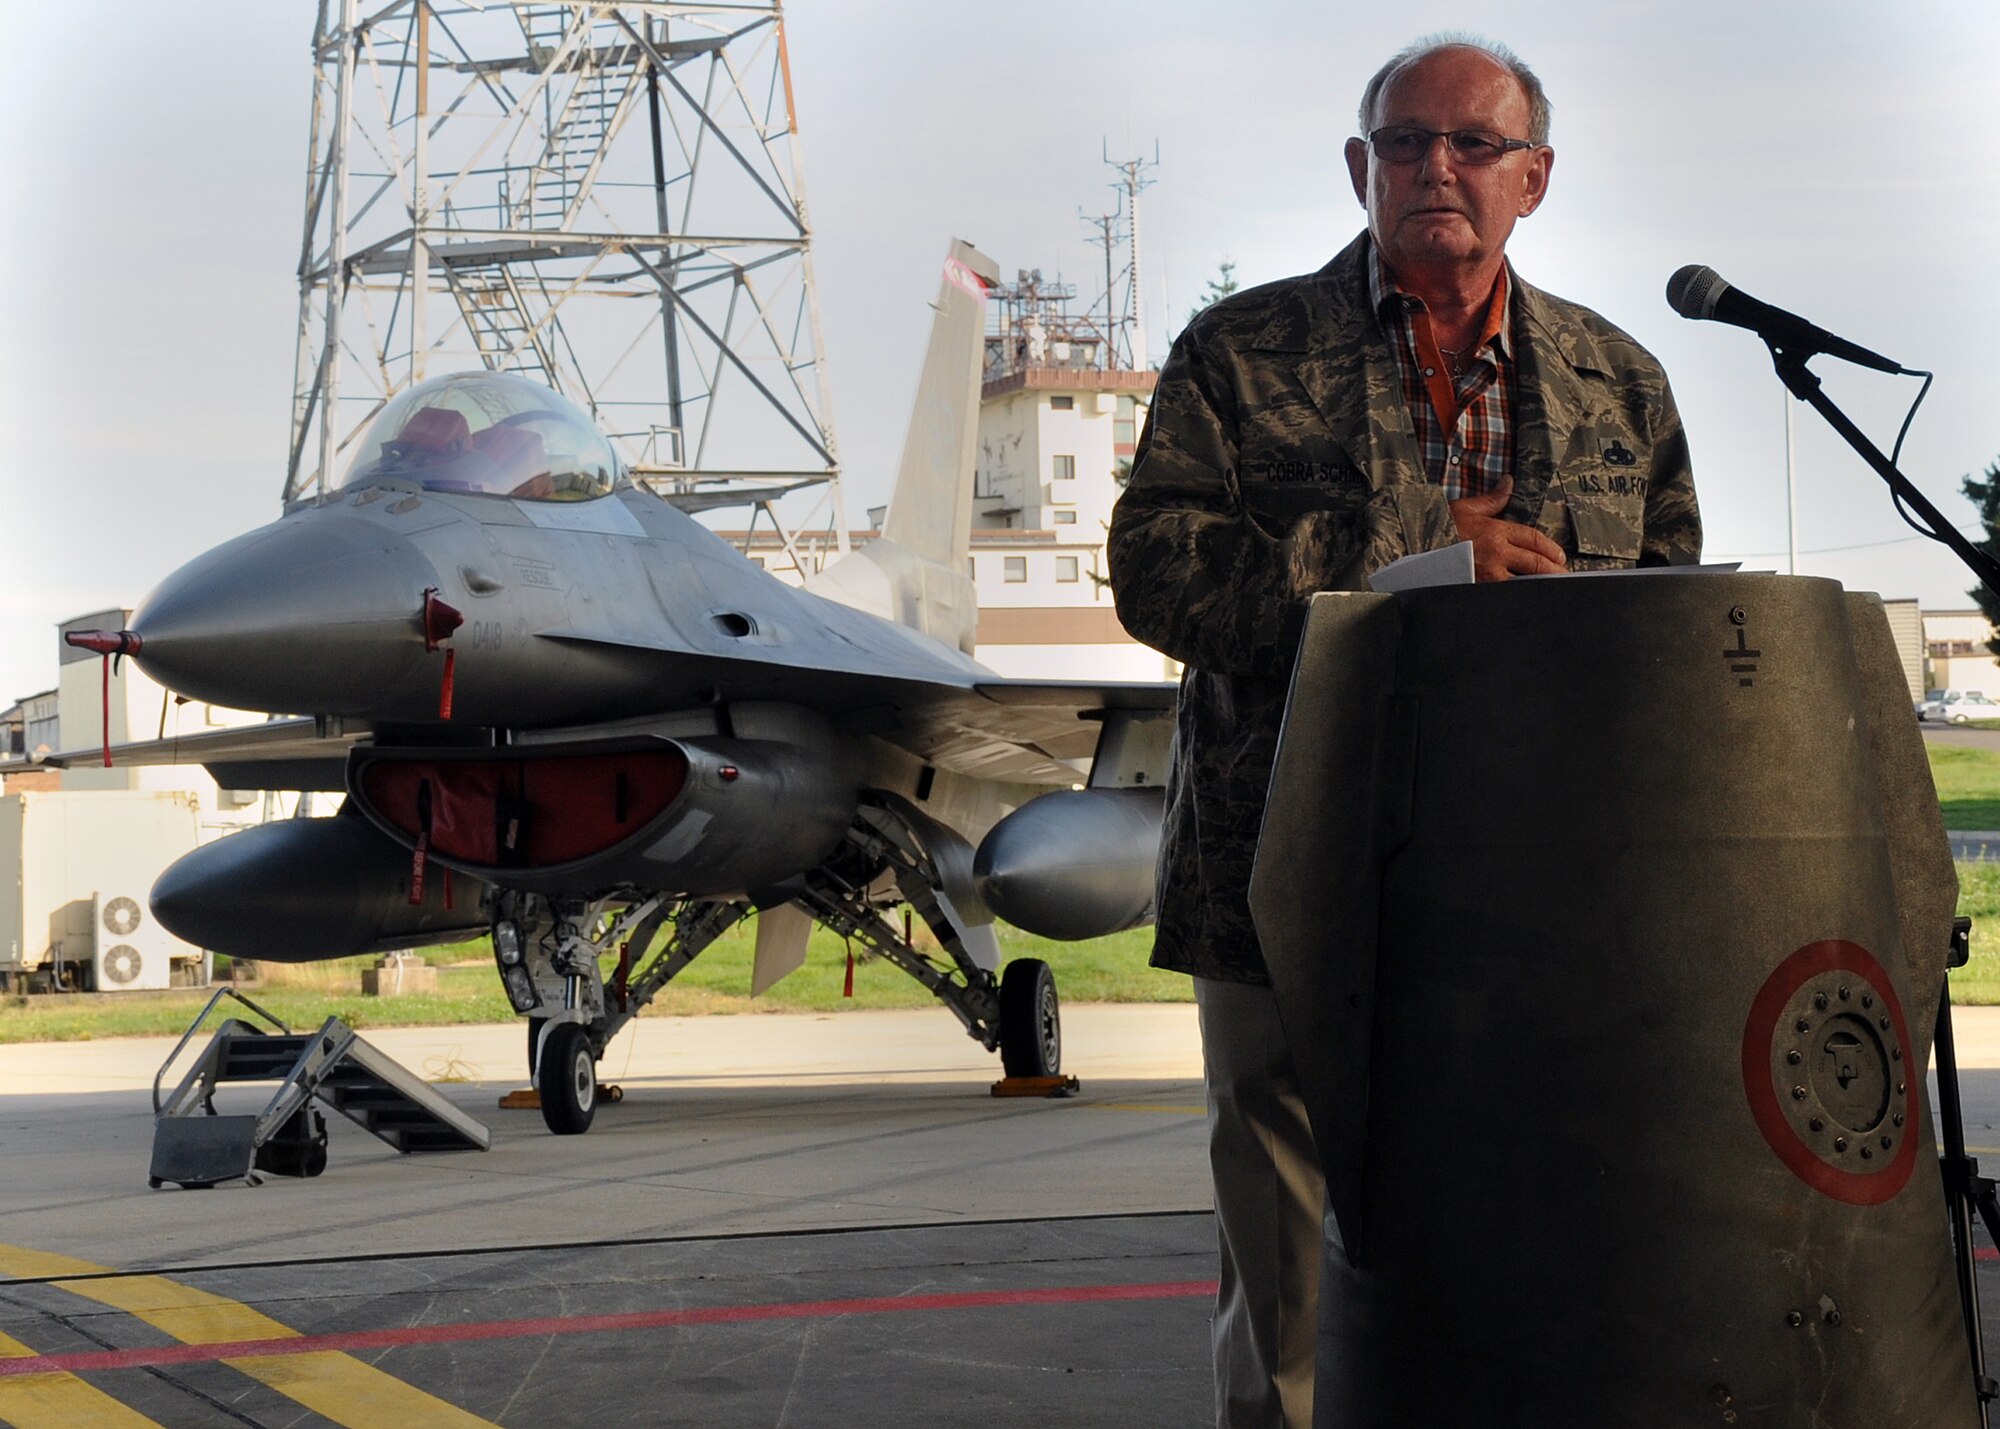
<point x="1831" y="158"/>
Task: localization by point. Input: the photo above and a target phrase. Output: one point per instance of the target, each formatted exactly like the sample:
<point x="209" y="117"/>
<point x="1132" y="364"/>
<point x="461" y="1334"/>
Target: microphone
<point x="1700" y="292"/>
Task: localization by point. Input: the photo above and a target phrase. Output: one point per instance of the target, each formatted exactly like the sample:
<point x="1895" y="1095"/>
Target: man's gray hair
<point x="1531" y="86"/>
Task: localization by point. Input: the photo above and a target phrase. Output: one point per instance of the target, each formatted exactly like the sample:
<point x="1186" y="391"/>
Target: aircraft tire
<point x="567" y="1080"/>
<point x="1030" y="1020"/>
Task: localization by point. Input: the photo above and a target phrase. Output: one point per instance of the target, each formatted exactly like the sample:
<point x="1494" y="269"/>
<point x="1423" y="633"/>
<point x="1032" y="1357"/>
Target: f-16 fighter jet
<point x="564" y="712"/>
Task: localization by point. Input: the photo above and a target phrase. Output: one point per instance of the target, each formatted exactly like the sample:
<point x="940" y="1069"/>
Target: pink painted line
<point x="94" y="1360"/>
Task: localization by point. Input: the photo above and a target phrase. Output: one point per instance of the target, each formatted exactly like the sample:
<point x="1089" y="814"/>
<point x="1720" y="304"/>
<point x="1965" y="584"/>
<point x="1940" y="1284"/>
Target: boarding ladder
<point x="194" y="1145"/>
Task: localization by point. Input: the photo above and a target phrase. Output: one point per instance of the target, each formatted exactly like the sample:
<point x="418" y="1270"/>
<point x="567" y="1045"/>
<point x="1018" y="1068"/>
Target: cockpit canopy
<point x="487" y="432"/>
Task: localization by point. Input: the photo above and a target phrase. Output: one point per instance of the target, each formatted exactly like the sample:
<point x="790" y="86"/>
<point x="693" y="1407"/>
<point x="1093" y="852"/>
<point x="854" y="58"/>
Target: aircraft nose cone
<point x="319" y="613"/>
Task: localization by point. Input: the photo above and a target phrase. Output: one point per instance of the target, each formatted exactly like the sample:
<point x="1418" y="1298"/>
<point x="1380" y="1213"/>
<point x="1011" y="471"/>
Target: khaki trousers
<point x="1269" y="1205"/>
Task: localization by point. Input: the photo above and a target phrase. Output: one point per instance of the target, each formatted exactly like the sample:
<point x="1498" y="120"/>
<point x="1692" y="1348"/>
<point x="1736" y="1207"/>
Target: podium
<point x="1609" y="916"/>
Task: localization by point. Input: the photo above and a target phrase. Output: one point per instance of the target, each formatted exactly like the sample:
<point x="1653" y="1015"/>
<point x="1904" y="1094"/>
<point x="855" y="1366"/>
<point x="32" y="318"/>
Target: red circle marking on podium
<point x="1760" y="1035"/>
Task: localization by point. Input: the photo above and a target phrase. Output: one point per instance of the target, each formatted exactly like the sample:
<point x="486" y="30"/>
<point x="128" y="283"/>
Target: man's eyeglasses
<point x="1407" y="144"/>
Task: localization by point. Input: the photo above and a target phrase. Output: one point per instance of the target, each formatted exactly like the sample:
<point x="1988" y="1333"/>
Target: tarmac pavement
<point x="789" y="1220"/>
<point x="798" y="1220"/>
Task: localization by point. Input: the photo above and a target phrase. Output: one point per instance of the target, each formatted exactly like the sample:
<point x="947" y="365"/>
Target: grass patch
<point x="303" y="995"/>
<point x="1978" y="982"/>
<point x="464" y="995"/>
<point x="1968" y="785"/>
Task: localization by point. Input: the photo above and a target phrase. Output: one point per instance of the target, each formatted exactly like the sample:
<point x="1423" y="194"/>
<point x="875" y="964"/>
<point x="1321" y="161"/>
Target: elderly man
<point x="1411" y="394"/>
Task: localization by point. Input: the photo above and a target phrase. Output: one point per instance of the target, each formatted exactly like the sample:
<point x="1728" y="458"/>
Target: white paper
<point x="1448" y="565"/>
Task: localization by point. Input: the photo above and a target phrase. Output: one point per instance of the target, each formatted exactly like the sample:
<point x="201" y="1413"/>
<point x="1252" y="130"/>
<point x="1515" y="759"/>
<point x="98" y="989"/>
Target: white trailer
<point x="75" y="870"/>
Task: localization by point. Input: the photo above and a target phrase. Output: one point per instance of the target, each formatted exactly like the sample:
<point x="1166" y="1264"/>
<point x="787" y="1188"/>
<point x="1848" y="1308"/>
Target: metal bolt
<point x="1819" y="1001"/>
<point x="1833" y="1317"/>
<point x="1840" y="1143"/>
<point x="1888" y="1142"/>
<point x="1798" y="1094"/>
<point x="1794" y="1318"/>
<point x="1896" y="1053"/>
<point x="1816" y="1124"/>
<point x="1867" y="1000"/>
<point x="1738" y="615"/>
<point x="1792" y="1058"/>
<point x="1897" y="1118"/>
<point x="1843" y="992"/>
<point x="1883" y="1022"/>
<point x="1803" y="1025"/>
<point x="1867" y="1153"/>
<point x="1900" y="1089"/>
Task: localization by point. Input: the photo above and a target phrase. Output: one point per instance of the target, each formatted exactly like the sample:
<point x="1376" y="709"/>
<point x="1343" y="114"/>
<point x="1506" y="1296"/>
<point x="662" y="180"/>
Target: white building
<point x="1054" y="446"/>
<point x="1955" y="642"/>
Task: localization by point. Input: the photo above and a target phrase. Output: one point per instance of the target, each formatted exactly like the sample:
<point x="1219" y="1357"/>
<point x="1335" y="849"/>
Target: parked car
<point x="1929" y="697"/>
<point x="1959" y="707"/>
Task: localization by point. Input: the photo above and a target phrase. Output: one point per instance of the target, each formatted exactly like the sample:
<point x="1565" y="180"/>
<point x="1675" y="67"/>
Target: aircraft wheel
<point x="1030" y="1020"/>
<point x="567" y="1080"/>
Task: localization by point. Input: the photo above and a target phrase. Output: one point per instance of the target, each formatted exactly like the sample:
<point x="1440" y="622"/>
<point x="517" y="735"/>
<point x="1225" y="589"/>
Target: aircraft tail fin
<point x="930" y="511"/>
<point x="915" y="573"/>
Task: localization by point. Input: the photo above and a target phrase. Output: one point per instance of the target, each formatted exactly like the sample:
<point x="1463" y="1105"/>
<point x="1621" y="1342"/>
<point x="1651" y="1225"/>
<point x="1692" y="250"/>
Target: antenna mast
<point x="1106" y="237"/>
<point x="1130" y="326"/>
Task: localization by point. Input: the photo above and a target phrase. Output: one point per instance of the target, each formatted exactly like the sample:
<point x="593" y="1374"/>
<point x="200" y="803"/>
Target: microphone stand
<point x="1804" y="385"/>
<point x="1965" y="1190"/>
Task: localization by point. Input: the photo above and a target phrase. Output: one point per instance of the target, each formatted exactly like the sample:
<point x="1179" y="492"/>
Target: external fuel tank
<point x="1608" y="916"/>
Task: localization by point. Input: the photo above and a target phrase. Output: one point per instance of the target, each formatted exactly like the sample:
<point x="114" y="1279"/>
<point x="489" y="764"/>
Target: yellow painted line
<point x="1150" y="1106"/>
<point x="333" y="1385"/>
<point x="59" y="1401"/>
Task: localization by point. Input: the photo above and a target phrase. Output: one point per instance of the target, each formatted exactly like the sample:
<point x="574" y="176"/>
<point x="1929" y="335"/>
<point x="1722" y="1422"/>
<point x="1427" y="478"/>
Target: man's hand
<point x="1502" y="550"/>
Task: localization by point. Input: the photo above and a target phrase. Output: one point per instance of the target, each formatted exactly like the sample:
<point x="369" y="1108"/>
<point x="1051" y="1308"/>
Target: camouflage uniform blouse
<point x="1279" y="459"/>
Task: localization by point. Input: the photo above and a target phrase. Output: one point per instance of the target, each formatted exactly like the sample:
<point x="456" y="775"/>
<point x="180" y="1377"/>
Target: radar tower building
<point x="607" y="199"/>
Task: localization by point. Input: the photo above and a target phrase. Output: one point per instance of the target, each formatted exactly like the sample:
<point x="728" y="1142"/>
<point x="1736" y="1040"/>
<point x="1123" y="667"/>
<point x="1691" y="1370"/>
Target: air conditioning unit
<point x="133" y="952"/>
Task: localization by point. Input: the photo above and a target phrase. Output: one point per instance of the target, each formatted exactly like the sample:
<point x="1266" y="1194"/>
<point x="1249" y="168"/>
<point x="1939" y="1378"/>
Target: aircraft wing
<point x="277" y="754"/>
<point x="1026" y="731"/>
<point x="1021" y="731"/>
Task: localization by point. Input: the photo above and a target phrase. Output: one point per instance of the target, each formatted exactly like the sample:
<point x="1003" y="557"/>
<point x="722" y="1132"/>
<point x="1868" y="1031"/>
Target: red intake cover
<point x="525" y="813"/>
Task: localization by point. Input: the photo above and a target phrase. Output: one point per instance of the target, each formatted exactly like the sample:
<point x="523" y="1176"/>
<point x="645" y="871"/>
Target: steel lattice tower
<point x="604" y="197"/>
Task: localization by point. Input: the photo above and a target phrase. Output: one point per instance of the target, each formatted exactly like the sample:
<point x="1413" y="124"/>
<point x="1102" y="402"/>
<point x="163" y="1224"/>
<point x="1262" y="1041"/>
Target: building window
<point x="1062" y="404"/>
<point x="1123" y="425"/>
<point x="1066" y="568"/>
<point x="1065" y="468"/>
<point x="1063" y="518"/>
<point x="1015" y="569"/>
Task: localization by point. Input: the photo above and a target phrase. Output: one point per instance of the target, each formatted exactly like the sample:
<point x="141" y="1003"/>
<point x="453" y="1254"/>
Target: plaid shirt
<point x="1465" y="431"/>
